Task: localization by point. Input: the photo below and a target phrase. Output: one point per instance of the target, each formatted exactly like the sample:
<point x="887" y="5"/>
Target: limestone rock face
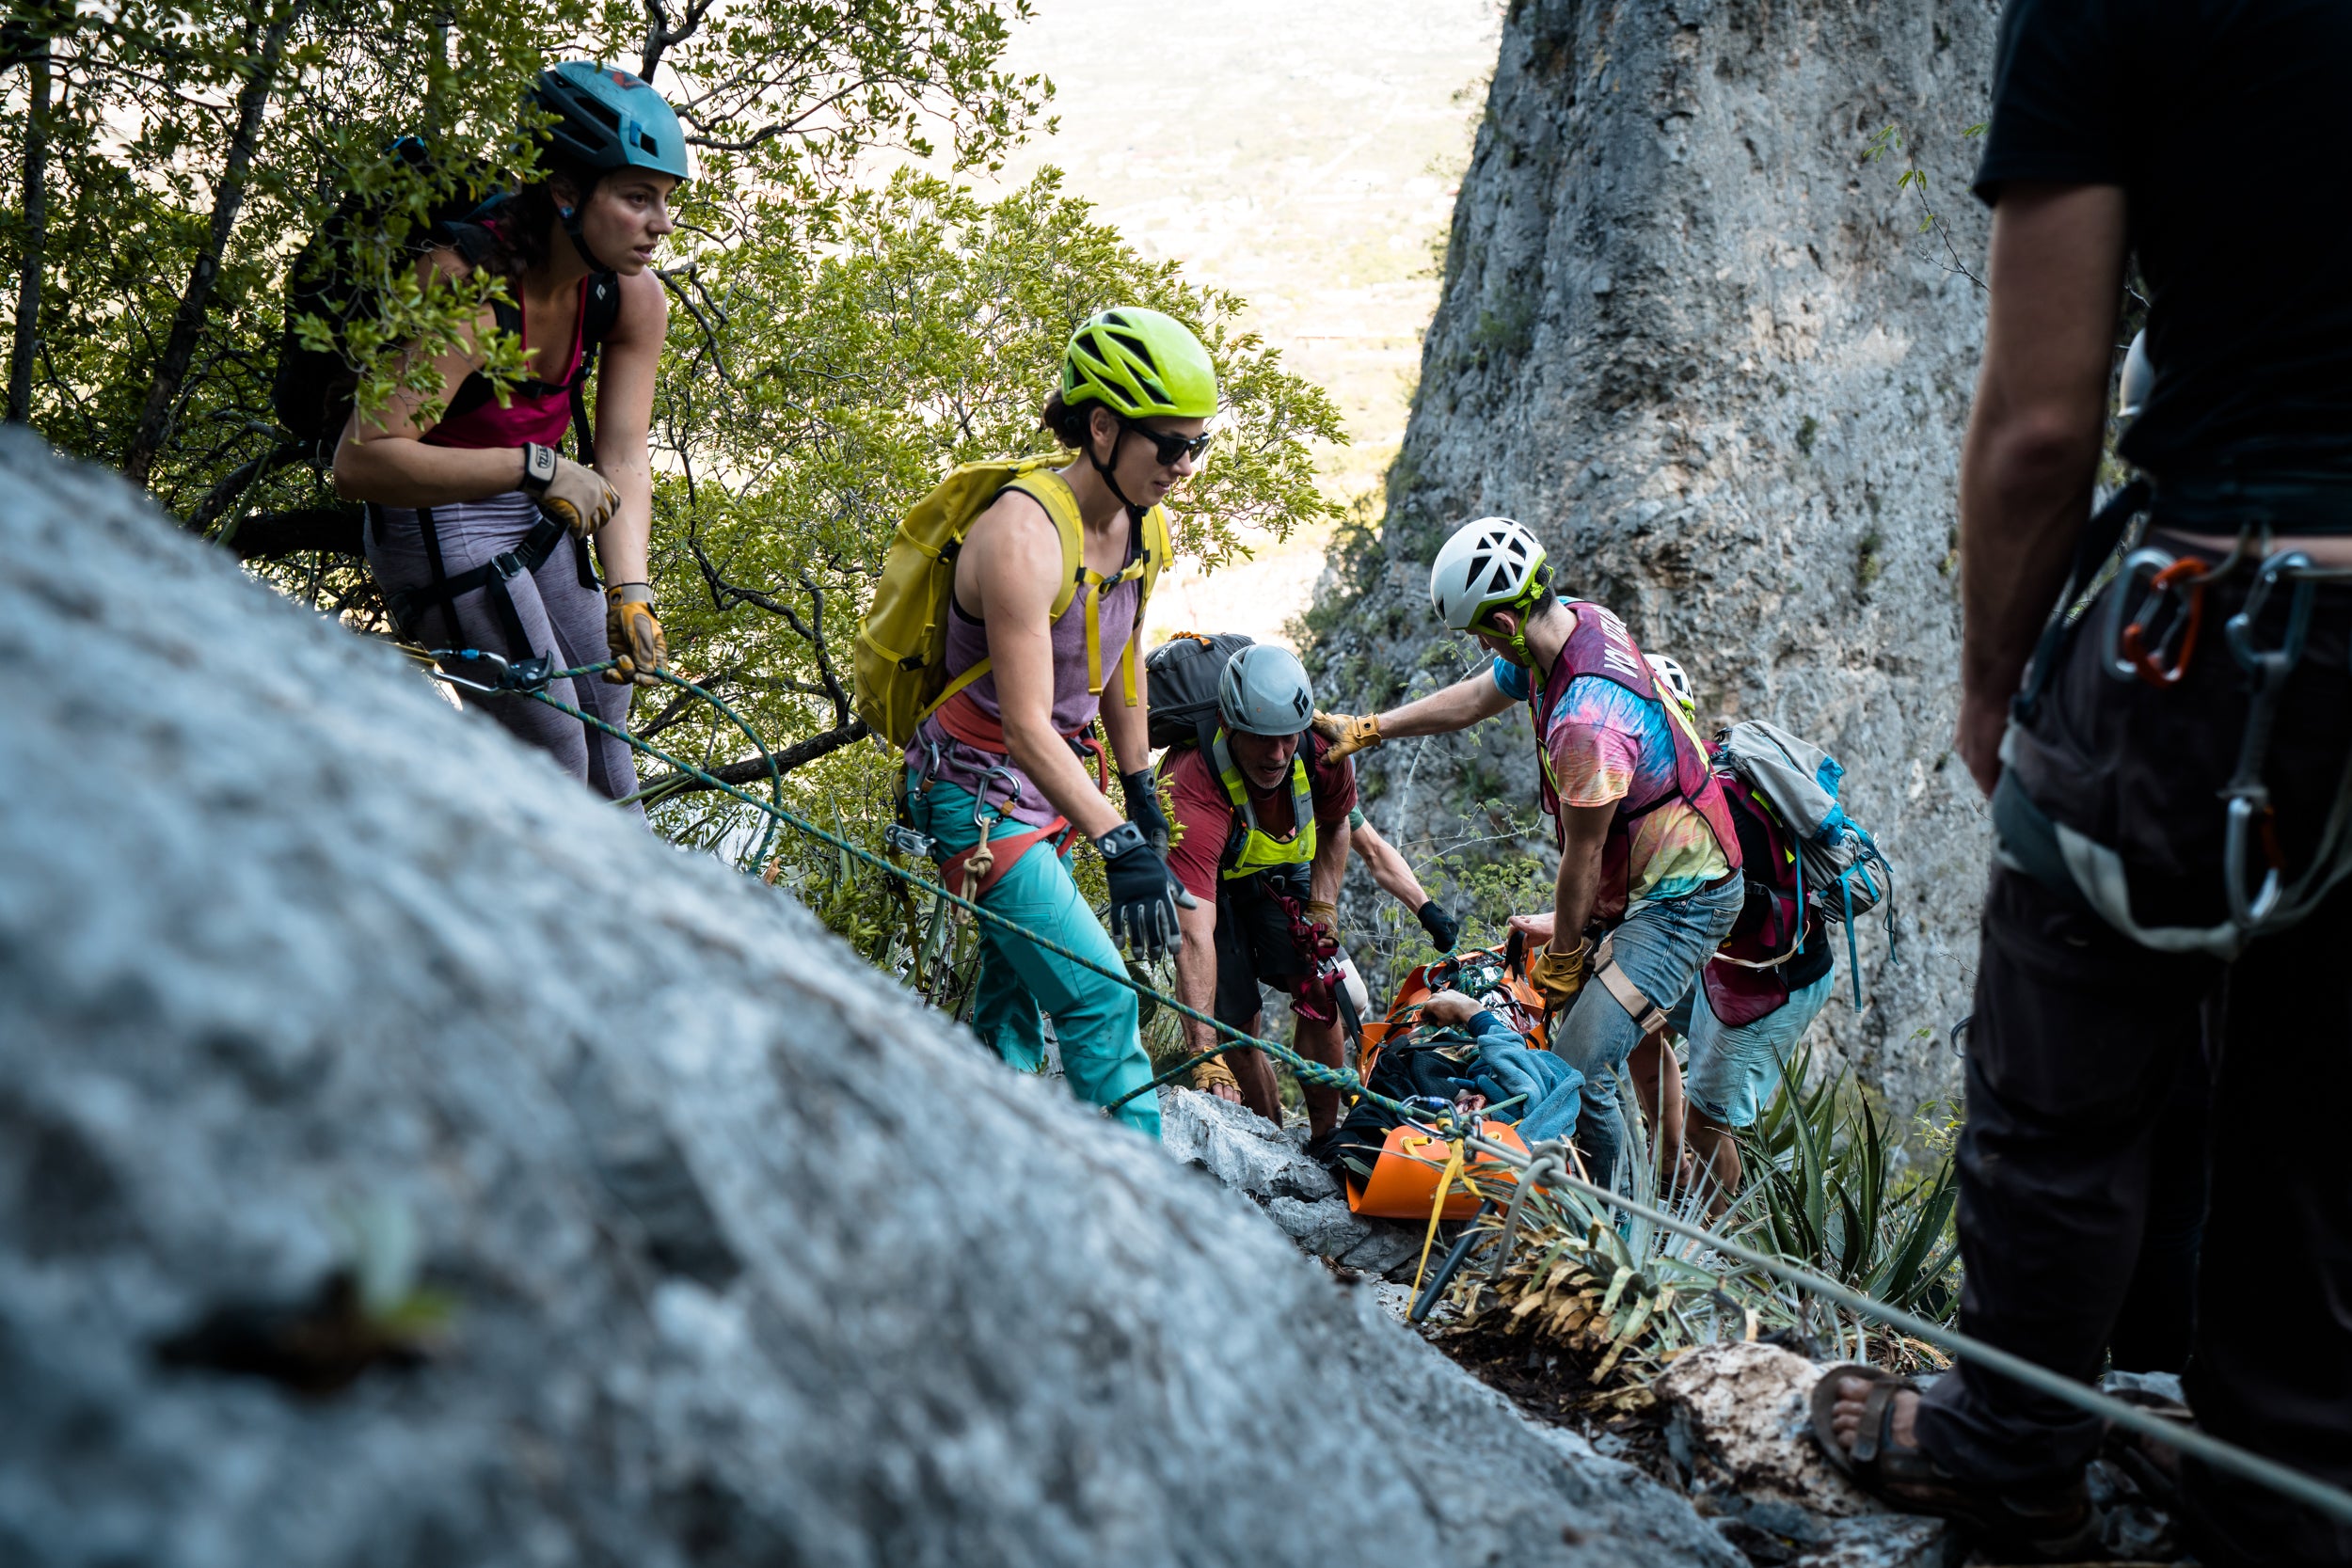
<point x="1691" y="338"/>
<point x="1741" y="1412"/>
<point x="749" y="1260"/>
<point x="1266" y="1165"/>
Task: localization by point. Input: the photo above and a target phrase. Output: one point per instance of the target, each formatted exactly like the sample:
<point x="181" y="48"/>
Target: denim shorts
<point x="1735" y="1068"/>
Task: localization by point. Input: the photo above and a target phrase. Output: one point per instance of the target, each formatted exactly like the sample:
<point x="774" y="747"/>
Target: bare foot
<point x="1844" y="1419"/>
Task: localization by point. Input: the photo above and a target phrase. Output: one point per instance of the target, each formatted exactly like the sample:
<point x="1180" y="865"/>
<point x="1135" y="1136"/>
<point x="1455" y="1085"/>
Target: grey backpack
<point x="1839" y="865"/>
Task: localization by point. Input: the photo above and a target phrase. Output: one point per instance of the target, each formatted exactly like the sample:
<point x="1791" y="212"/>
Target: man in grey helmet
<point x="1262" y="846"/>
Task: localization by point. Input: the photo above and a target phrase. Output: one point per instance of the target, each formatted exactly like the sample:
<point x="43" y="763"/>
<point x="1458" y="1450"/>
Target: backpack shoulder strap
<point x="1156" y="550"/>
<point x="1047" y="488"/>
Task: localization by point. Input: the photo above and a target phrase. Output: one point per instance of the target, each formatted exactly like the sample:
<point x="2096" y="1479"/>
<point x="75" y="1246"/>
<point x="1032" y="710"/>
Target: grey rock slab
<point x="1698" y="345"/>
<point x="1240" y="1148"/>
<point x="752" y="1258"/>
<point x="1740" y="1410"/>
<point x="1882" y="1541"/>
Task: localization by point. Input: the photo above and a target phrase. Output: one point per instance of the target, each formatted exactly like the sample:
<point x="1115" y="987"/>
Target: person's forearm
<point x="1047" y="759"/>
<point x="1456" y="707"/>
<point x="624" y="544"/>
<point x="1195" y="969"/>
<point x="401" y="471"/>
<point x="1329" y="868"/>
<point x="1126" y="729"/>
<point x="1397" y="881"/>
<point x="2032" y="448"/>
<point x="1577" y="887"/>
<point x="2025" y="494"/>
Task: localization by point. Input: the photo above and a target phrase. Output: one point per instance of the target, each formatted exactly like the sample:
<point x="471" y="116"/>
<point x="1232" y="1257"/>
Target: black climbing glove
<point x="1442" y="928"/>
<point x="1143" y="808"/>
<point x="1144" y="894"/>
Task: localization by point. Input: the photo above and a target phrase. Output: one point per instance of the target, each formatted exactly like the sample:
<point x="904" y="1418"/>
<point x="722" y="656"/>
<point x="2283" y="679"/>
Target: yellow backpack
<point x="900" y="672"/>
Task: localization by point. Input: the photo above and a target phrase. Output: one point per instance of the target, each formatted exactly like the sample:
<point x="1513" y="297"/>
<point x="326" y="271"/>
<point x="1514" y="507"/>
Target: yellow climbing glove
<point x="572" y="493"/>
<point x="1213" y="1075"/>
<point x="633" y="635"/>
<point x="1560" y="976"/>
<point x="1347" y="733"/>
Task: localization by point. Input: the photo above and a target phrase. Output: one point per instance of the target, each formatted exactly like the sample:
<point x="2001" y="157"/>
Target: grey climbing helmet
<point x="1264" y="691"/>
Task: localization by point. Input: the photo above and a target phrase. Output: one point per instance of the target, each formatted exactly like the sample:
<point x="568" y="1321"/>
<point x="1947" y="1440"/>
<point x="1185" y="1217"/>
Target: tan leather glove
<point x="572" y="493"/>
<point x="1560" y="976"/>
<point x="1324" y="912"/>
<point x="1214" y="1077"/>
<point x="1347" y="733"/>
<point x="633" y="635"/>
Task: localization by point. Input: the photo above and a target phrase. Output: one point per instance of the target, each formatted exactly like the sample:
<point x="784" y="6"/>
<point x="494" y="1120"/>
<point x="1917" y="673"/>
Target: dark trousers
<point x="2076" y="1066"/>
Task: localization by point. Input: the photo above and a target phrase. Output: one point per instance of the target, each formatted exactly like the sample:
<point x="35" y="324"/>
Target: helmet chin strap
<point x="570" y="217"/>
<point x="1135" y="513"/>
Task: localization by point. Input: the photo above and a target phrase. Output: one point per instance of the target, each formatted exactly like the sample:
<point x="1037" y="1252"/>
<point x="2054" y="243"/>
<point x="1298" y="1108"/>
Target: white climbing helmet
<point x="2139" y="379"/>
<point x="1489" y="564"/>
<point x="1264" y="691"/>
<point x="1674" y="682"/>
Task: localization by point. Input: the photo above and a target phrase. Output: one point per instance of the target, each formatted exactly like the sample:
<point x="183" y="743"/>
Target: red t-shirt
<point x="1205" y="815"/>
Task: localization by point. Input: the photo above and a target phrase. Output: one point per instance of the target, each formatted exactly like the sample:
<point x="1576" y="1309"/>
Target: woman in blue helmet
<point x="477" y="527"/>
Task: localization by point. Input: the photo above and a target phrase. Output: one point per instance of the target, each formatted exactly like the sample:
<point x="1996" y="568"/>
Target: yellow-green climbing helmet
<point x="1138" y="364"/>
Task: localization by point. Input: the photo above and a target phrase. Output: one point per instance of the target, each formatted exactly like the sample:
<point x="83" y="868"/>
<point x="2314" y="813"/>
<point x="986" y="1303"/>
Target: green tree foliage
<point x="840" y="333"/>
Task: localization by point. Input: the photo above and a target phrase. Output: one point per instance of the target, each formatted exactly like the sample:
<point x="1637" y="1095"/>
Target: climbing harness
<point x="2152" y="619"/>
<point x="1446" y="1124"/>
<point x="1648" y="1016"/>
<point x="443" y="591"/>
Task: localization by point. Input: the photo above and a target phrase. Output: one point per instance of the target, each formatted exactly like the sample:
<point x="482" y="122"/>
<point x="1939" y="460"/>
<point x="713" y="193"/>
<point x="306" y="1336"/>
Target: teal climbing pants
<point x="1022" y="984"/>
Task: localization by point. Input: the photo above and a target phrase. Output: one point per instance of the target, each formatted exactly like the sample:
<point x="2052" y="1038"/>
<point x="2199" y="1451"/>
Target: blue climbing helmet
<point x="608" y="120"/>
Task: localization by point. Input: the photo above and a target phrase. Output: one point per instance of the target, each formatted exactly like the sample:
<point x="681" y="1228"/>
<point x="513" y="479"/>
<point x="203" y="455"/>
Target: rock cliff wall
<point x="748" y="1258"/>
<point x="1697" y="342"/>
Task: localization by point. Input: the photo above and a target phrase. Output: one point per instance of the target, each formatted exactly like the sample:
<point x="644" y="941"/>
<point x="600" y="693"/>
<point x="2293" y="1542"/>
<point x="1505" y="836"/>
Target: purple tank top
<point x="1074" y="706"/>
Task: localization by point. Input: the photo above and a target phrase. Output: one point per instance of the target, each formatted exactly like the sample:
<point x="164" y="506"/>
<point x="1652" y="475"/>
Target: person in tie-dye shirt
<point x="1648" y="856"/>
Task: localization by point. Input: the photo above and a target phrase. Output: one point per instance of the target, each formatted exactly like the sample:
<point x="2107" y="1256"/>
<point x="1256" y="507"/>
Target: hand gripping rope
<point x="1544" y="1162"/>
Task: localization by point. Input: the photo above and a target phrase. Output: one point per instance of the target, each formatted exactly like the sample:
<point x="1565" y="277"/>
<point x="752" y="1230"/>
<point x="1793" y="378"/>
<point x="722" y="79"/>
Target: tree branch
<point x="232" y="487"/>
<point x="187" y="324"/>
<point x="753" y="771"/>
<point x="275" y="535"/>
<point x="36" y="59"/>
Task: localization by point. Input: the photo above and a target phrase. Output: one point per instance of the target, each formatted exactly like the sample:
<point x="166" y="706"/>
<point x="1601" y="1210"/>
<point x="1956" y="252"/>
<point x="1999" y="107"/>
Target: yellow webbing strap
<point x="1437" y="1210"/>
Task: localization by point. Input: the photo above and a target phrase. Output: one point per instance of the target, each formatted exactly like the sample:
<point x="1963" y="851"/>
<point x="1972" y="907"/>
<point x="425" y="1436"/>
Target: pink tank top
<point x="540" y="420"/>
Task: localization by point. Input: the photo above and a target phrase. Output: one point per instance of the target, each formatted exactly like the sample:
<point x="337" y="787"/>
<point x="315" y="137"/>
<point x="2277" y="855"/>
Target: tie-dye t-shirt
<point x="1608" y="744"/>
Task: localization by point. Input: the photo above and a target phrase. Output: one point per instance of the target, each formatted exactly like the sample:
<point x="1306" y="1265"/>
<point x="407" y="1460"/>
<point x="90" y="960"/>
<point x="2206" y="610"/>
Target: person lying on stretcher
<point x="1508" y="1079"/>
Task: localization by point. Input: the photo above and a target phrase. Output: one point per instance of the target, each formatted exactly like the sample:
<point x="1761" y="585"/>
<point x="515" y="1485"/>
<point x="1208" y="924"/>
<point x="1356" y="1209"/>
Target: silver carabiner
<point x="2240" y="629"/>
<point x="2146" y="561"/>
<point x="482" y="656"/>
<point x="2247" y="915"/>
<point x="980" y="793"/>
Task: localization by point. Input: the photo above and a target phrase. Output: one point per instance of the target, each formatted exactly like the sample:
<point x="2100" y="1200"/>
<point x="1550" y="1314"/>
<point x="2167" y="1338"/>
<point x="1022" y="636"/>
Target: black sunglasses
<point x="1169" y="449"/>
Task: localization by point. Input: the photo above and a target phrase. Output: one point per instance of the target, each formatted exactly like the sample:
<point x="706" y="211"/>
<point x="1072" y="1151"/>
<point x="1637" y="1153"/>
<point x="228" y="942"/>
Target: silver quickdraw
<point x="2145" y="644"/>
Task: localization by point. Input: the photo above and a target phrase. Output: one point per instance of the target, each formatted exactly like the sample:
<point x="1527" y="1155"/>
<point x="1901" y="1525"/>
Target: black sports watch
<point x="538" y="467"/>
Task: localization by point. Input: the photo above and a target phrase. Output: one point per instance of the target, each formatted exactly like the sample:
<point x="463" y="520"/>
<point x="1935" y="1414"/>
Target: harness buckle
<point x="910" y="841"/>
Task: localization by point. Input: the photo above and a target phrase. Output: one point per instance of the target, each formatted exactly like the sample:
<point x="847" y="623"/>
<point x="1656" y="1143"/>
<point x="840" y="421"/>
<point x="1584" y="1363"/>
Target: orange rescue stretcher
<point x="1404" y="1181"/>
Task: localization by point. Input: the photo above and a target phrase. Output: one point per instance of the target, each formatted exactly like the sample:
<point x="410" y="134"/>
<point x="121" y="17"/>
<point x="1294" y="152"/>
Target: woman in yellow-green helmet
<point x="1137" y="392"/>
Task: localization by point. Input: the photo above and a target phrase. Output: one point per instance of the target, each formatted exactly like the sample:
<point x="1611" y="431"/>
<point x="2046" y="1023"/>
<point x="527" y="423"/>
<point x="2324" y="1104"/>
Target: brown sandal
<point x="2057" y="1528"/>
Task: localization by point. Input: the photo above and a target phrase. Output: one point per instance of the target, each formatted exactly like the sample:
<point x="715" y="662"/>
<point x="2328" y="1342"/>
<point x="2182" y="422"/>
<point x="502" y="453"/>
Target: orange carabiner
<point x="2188" y="577"/>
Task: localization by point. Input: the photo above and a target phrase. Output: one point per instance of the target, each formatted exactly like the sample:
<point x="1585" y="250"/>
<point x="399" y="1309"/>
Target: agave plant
<point x="1622" y="1295"/>
<point x="1833" y="1200"/>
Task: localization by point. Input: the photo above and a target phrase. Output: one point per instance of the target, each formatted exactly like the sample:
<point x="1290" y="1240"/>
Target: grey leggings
<point x="559" y="614"/>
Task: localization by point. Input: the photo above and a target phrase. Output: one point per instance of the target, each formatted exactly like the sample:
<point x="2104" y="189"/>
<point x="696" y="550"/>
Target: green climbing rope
<point x="2310" y="1491"/>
